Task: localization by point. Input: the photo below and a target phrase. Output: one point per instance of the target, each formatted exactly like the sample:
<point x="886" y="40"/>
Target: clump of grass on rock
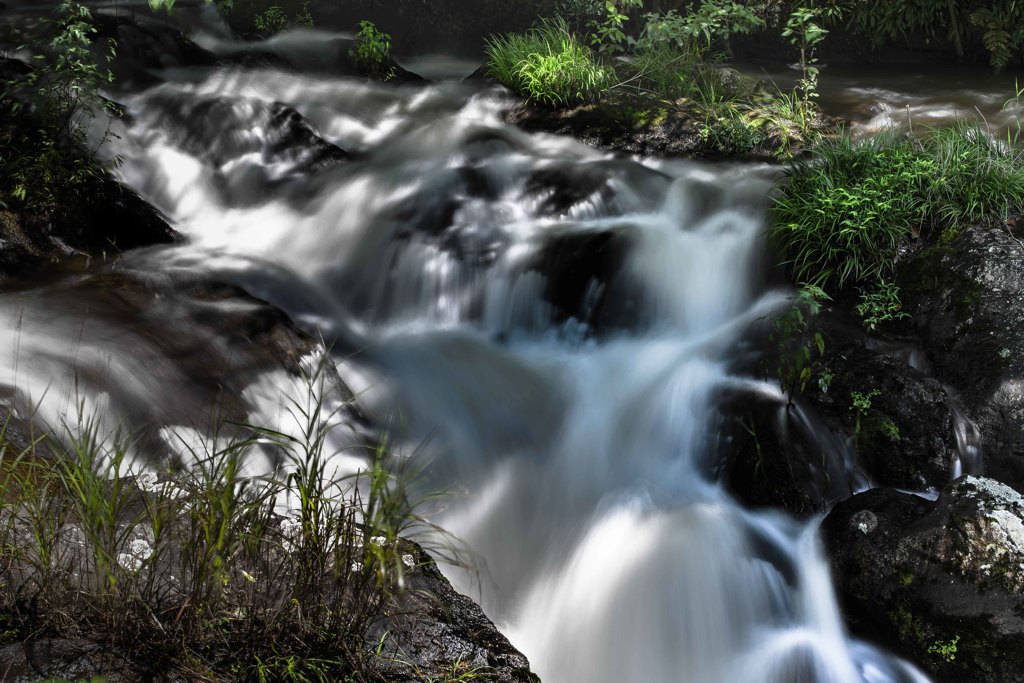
<point x="549" y="65"/>
<point x="843" y="212"/>
<point x="206" y="572"/>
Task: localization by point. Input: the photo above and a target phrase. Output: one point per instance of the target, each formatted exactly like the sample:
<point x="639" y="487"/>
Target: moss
<point x="639" y="115"/>
<point x="909" y="626"/>
<point x="931" y="275"/>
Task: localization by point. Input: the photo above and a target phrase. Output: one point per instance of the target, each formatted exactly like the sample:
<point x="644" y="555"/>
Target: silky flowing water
<point x="553" y="329"/>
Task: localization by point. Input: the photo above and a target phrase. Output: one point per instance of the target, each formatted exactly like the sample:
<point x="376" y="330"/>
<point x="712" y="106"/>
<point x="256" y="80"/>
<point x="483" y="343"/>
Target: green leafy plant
<point x="798" y="350"/>
<point x="869" y="423"/>
<point x="373" y="52"/>
<point x="699" y="30"/>
<point x="842" y="214"/>
<point x="674" y="56"/>
<point x="609" y="36"/>
<point x="804" y="31"/>
<point x="860" y="403"/>
<point x="548" y="65"/>
<point x="945" y="650"/>
<point x="270" y="21"/>
<point x="59" y="98"/>
<point x="304" y="17"/>
<point x="880" y="304"/>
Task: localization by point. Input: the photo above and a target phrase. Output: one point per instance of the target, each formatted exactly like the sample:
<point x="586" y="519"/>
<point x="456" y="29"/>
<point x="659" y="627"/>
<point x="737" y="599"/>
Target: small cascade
<point x="968" y="441"/>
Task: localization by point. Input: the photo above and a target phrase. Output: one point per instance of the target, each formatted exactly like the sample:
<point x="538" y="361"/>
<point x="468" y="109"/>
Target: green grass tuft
<point x="548" y="65"/>
<point x="843" y="213"/>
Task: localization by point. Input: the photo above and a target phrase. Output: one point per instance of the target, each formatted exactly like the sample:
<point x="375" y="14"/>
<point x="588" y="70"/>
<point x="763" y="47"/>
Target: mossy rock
<point x="941" y="583"/>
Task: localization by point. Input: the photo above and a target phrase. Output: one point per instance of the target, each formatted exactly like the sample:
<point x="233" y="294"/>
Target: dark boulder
<point x="940" y="582"/>
<point x="965" y="299"/>
<point x="201" y="341"/>
<point x="443" y="634"/>
<point x="809" y="455"/>
<point x="906" y="438"/>
<point x="222" y="130"/>
<point x="106" y="219"/>
<point x="777" y="456"/>
<point x="586" y="278"/>
<point x="143" y="48"/>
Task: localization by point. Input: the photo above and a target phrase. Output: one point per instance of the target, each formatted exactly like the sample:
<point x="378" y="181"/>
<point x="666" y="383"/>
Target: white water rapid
<point x="558" y="324"/>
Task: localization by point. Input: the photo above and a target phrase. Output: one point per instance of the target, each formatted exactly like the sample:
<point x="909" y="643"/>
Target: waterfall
<point x="553" y="321"/>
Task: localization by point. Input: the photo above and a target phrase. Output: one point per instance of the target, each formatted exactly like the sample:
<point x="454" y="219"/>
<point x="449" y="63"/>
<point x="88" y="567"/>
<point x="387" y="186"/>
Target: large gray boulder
<point x="941" y="582"/>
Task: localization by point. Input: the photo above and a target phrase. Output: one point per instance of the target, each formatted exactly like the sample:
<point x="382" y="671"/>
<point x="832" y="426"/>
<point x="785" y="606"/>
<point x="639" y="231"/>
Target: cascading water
<point x="556" y="321"/>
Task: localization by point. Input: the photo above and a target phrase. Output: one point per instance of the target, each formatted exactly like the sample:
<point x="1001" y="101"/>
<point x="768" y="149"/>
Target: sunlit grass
<point x="843" y="212"/>
<point x="548" y="65"/>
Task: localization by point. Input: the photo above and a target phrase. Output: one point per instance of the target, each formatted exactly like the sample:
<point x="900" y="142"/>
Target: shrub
<point x="843" y="213"/>
<point x="56" y="100"/>
<point x="270" y="21"/>
<point x="978" y="176"/>
<point x="997" y="24"/>
<point x="798" y="348"/>
<point x="373" y="52"/>
<point x="579" y="14"/>
<point x="703" y="29"/>
<point x="549" y="65"/>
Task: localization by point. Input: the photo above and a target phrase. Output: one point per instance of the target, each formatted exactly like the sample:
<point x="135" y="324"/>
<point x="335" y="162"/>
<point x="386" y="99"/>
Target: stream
<point x="549" y="327"/>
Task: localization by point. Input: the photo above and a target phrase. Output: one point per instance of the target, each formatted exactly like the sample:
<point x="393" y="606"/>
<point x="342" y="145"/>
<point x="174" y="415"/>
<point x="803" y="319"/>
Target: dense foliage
<point x="997" y="25"/>
<point x="56" y="100"/>
<point x="991" y="27"/>
<point x="843" y="213"/>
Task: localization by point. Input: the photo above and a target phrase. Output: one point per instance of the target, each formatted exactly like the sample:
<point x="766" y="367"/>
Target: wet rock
<point x="645" y="127"/>
<point x="143" y="48"/>
<point x="78" y="206"/>
<point x="643" y="131"/>
<point x="104" y="221"/>
<point x="443" y="634"/>
<point x="941" y="582"/>
<point x="113" y="218"/>
<point x="587" y="279"/>
<point x="426" y="631"/>
<point x="567" y="187"/>
<point x="224" y="130"/>
<point x="66" y="659"/>
<point x="779" y="456"/>
<point x="196" y="343"/>
<point x="906" y="438"/>
<point x="965" y="299"/>
<point x="806" y="457"/>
